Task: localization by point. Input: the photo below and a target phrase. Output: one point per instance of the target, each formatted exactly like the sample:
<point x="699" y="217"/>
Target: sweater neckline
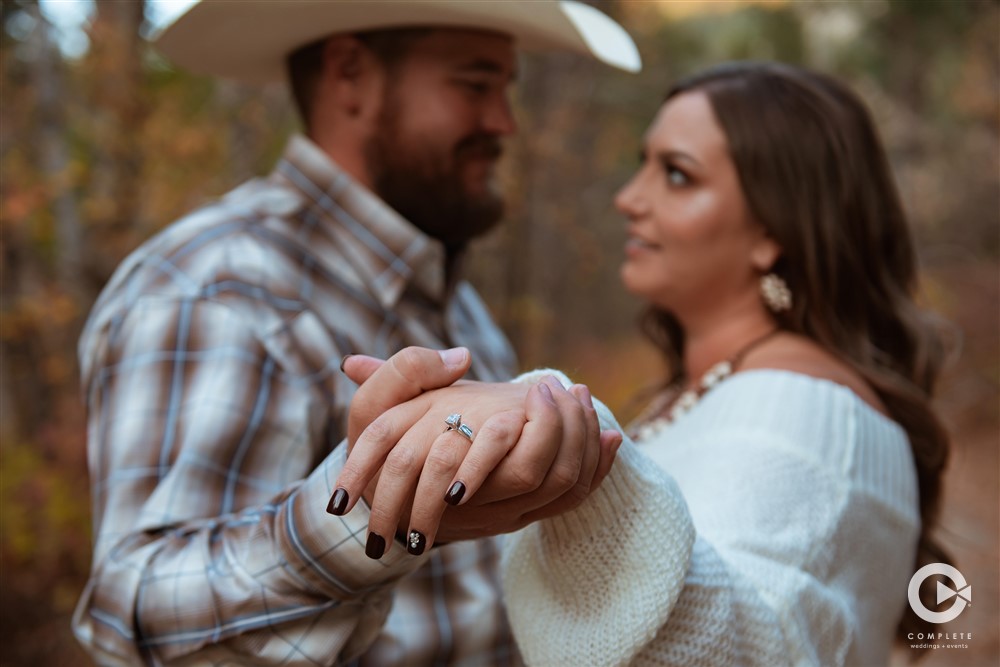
<point x="829" y="384"/>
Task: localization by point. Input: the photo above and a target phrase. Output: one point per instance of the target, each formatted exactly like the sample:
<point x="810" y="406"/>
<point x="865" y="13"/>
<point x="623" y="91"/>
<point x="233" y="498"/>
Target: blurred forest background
<point x="102" y="144"/>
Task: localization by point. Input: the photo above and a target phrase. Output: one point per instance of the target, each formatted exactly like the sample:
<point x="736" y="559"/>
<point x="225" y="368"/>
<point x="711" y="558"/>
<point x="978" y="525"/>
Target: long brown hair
<point x="815" y="175"/>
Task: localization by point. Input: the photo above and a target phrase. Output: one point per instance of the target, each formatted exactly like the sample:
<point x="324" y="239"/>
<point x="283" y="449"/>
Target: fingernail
<point x="375" y="546"/>
<point x="585" y="391"/>
<point x="344" y="361"/>
<point x="338" y="503"/>
<point x="416" y="542"/>
<point x="546" y="393"/>
<point x="455" y="493"/>
<point x="553" y="382"/>
<point x="454" y="357"/>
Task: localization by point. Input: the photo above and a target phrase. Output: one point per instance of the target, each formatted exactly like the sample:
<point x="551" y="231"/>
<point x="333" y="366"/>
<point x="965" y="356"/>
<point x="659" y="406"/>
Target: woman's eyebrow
<point x="677" y="155"/>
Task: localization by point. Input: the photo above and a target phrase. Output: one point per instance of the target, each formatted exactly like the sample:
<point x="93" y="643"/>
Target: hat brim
<point x="249" y="40"/>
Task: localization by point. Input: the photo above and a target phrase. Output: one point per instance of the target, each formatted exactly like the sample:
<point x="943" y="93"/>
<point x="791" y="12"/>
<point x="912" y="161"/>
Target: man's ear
<point x="350" y="75"/>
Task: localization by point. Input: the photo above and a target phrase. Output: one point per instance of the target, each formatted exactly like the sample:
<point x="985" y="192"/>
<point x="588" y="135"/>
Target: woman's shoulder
<point x="792" y="390"/>
<point x="782" y="414"/>
<point x="786" y="398"/>
<point x="801" y="356"/>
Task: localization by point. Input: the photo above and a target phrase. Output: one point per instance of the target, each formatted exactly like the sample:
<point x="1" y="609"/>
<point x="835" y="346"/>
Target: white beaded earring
<point x="774" y="290"/>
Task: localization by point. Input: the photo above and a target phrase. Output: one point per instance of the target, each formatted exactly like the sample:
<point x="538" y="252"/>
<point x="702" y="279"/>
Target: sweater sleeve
<point x="626" y="579"/>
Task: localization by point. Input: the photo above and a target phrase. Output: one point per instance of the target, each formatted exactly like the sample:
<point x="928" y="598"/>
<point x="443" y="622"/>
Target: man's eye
<point x="477" y="87"/>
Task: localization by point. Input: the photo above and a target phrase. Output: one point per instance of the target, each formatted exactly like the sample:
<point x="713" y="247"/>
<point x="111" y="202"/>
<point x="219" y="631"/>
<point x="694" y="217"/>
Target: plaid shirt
<point x="210" y="367"/>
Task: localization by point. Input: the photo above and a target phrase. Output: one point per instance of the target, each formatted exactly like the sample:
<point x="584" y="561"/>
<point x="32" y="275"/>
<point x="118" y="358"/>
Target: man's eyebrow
<point x="486" y="66"/>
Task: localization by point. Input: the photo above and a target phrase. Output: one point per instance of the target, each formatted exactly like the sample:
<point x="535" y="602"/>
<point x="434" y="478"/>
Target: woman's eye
<point x="676" y="177"/>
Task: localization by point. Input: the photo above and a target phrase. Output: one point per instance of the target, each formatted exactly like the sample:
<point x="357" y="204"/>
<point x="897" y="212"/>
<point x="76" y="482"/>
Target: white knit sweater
<point x="773" y="524"/>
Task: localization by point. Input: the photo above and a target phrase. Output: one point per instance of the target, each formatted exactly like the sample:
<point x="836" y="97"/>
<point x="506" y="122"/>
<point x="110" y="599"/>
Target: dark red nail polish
<point x="375" y="546"/>
<point x="416" y="542"/>
<point x="455" y="493"/>
<point x="338" y="503"/>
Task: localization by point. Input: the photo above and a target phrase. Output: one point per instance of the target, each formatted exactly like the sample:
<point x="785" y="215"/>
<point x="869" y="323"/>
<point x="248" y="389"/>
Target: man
<point x="210" y="361"/>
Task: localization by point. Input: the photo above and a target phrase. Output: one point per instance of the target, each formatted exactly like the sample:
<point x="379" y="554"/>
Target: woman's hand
<point x="536" y="450"/>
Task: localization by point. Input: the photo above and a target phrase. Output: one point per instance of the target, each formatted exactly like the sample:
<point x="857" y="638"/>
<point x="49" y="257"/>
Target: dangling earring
<point x="774" y="290"/>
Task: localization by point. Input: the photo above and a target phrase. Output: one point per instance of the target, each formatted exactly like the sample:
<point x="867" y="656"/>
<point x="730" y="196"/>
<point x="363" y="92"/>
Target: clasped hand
<point x="536" y="451"/>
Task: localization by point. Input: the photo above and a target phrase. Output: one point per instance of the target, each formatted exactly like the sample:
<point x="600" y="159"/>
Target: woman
<point x="798" y="461"/>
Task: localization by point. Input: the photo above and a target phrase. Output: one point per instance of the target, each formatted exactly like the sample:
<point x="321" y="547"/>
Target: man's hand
<point x="537" y="450"/>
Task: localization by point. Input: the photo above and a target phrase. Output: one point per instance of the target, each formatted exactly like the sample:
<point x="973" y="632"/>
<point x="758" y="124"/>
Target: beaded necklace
<point x="675" y="403"/>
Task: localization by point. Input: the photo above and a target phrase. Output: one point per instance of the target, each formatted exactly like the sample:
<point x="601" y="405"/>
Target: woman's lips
<point x="636" y="246"/>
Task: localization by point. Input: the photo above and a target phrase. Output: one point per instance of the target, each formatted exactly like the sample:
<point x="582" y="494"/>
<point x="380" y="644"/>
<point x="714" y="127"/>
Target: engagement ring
<point x="454" y="422"/>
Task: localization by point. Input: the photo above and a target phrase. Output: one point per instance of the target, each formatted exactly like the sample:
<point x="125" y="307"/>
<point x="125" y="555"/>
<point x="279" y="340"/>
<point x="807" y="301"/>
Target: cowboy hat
<point x="249" y="40"/>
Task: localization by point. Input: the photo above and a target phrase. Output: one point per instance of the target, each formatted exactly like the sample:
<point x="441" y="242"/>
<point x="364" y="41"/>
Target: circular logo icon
<point x="962" y="593"/>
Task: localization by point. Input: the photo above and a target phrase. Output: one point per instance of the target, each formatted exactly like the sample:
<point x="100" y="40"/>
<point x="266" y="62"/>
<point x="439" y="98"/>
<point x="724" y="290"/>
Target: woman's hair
<point x="815" y="175"/>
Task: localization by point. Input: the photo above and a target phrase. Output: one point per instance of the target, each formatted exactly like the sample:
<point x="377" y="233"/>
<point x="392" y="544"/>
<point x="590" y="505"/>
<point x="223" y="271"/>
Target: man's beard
<point x="425" y="185"/>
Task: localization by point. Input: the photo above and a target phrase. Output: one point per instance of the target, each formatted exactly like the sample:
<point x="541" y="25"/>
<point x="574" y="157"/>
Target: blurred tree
<point x="49" y="83"/>
<point x="45" y="530"/>
<point x="110" y="118"/>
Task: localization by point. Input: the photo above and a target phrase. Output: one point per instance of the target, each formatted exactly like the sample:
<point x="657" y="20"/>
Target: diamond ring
<point x="454" y="422"/>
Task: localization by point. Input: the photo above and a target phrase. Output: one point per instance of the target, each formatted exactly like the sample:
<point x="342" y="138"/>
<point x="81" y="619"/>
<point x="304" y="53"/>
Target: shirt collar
<point x="391" y="252"/>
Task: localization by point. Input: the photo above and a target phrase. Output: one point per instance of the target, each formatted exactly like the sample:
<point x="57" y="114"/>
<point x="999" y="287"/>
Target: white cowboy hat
<point x="248" y="40"/>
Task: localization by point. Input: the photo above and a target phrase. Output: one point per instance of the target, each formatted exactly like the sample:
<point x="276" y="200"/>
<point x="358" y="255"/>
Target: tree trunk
<point x="48" y="76"/>
<point x="116" y="110"/>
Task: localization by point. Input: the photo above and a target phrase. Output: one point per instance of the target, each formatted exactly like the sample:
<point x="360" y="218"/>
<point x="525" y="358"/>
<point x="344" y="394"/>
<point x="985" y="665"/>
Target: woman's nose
<point x="628" y="200"/>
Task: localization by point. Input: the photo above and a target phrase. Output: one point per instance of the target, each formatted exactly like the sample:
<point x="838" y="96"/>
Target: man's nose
<point x="498" y="117"/>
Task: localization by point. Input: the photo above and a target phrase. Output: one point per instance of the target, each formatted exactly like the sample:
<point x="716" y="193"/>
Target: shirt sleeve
<point x="211" y="469"/>
<point x="625" y="579"/>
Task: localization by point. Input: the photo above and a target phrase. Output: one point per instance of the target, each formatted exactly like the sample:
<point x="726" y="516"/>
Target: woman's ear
<point x="764" y="253"/>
